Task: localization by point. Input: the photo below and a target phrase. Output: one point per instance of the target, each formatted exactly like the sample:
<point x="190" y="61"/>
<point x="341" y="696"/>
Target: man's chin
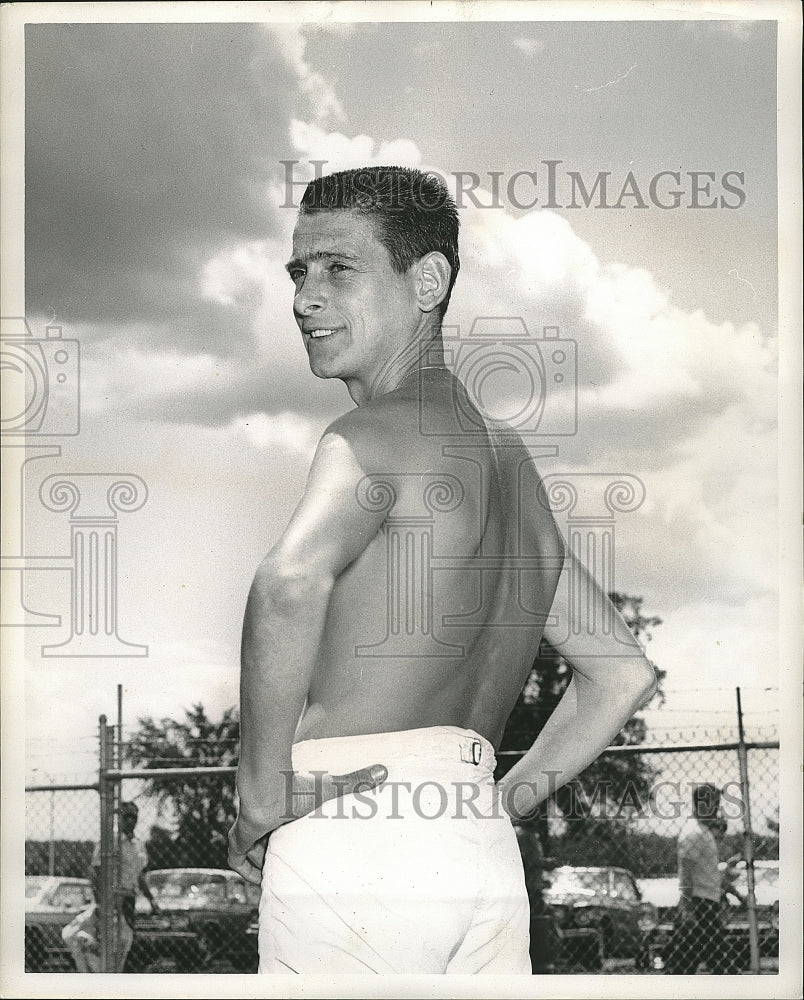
<point x="325" y="369"/>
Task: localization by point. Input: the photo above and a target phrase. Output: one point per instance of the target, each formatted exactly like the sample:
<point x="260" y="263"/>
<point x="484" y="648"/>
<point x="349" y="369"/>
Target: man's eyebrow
<point x="319" y="255"/>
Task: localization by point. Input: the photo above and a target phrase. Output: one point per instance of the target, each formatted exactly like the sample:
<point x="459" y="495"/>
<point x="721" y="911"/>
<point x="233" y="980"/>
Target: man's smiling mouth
<point x="323" y="332"/>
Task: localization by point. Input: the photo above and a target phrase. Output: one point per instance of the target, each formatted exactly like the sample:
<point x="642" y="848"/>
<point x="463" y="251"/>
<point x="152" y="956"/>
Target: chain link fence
<point x="602" y="869"/>
<point x="61" y="823"/>
<point x="600" y="863"/>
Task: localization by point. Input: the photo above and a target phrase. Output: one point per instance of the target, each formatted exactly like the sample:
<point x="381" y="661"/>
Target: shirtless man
<point x="373" y="693"/>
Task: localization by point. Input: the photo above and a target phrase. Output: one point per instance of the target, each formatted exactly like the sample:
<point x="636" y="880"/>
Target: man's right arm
<point x="282" y="630"/>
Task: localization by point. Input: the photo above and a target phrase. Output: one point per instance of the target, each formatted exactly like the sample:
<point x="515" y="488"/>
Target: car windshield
<point x="764" y="878"/>
<point x="767" y="876"/>
<point x="34" y="884"/>
<point x="253" y="893"/>
<point x="576" y="883"/>
<point x="188" y="888"/>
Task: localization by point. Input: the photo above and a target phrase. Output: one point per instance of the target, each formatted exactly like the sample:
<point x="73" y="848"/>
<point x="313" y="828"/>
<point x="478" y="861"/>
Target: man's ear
<point x="433" y="273"/>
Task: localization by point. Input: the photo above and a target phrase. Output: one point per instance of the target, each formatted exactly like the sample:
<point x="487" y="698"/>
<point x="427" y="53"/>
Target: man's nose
<point x="310" y="296"/>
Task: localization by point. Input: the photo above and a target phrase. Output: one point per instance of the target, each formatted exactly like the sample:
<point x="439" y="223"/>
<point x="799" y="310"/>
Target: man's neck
<point x="426" y="350"/>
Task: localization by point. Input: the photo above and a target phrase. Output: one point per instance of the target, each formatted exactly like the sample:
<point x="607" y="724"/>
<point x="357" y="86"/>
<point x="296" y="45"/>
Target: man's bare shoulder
<point x="376" y="433"/>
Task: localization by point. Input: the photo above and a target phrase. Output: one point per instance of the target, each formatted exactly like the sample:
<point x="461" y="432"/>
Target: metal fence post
<point x="748" y="841"/>
<point x="51" y="849"/>
<point x="106" y="907"/>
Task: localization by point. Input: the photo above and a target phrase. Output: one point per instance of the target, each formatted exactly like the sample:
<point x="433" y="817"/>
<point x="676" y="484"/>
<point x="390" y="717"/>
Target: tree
<point x="70" y="857"/>
<point x="625" y="777"/>
<point x="204" y="806"/>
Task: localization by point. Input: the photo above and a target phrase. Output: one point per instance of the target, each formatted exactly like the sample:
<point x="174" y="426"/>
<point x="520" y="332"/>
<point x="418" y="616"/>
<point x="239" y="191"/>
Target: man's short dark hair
<point x="413" y="211"/>
<point x="129" y="807"/>
<point x="706" y="800"/>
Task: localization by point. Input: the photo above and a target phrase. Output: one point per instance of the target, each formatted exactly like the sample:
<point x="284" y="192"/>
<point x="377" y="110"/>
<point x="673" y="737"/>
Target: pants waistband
<point x="447" y="745"/>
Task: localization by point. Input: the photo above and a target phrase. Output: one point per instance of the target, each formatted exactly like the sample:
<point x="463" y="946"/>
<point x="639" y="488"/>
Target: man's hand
<point x="518" y="801"/>
<point x="248" y="839"/>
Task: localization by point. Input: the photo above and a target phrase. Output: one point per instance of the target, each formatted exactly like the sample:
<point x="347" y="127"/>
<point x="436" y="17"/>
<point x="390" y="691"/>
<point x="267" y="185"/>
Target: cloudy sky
<point x="157" y="226"/>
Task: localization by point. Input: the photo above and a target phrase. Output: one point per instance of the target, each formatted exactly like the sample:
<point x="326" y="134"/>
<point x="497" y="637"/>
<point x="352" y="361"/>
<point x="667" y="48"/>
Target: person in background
<point x="82" y="935"/>
<point x="700" y="928"/>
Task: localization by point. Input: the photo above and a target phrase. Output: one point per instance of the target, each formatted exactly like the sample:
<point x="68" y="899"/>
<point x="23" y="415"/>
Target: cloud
<point x="743" y="31"/>
<point x="686" y="404"/>
<point x="708" y="641"/>
<point x="343" y="153"/>
<point x="154" y="231"/>
<point x="528" y="45"/>
<point x="233" y="273"/>
<point x="145" y="155"/>
<point x="168" y="386"/>
<point x="319" y="92"/>
<point x="291" y="431"/>
<point x="637" y="350"/>
<point x="638" y="353"/>
<point x="168" y="265"/>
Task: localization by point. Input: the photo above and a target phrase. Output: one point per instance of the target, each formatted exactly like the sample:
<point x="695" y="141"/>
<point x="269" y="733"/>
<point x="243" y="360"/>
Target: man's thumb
<point x="364" y="778"/>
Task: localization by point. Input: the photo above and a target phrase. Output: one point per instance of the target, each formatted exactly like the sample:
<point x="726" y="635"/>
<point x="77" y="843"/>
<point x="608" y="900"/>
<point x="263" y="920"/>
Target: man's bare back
<point x="482" y="511"/>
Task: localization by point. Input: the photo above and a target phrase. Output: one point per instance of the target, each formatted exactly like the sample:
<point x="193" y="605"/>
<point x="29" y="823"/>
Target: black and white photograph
<point x="401" y="451"/>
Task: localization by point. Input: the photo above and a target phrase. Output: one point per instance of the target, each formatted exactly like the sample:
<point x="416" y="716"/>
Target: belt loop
<point x="473" y="753"/>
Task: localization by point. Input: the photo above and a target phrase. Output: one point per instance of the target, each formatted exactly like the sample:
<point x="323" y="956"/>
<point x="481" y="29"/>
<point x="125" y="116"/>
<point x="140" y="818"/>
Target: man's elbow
<point x="285" y="583"/>
<point x="643" y="682"/>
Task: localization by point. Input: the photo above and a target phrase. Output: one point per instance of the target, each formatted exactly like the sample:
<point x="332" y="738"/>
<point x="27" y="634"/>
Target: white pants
<point x="420" y="875"/>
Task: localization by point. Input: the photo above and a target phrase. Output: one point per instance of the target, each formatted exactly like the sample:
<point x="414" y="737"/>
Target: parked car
<point x="766" y="889"/>
<point x="51" y="902"/>
<point x="201" y="923"/>
<point x="664" y="894"/>
<point x="600" y="915"/>
<point x="766" y="895"/>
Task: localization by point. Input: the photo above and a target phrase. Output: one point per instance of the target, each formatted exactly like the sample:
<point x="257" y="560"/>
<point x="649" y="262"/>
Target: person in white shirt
<point x="81" y="935"/>
<point x="700" y="930"/>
